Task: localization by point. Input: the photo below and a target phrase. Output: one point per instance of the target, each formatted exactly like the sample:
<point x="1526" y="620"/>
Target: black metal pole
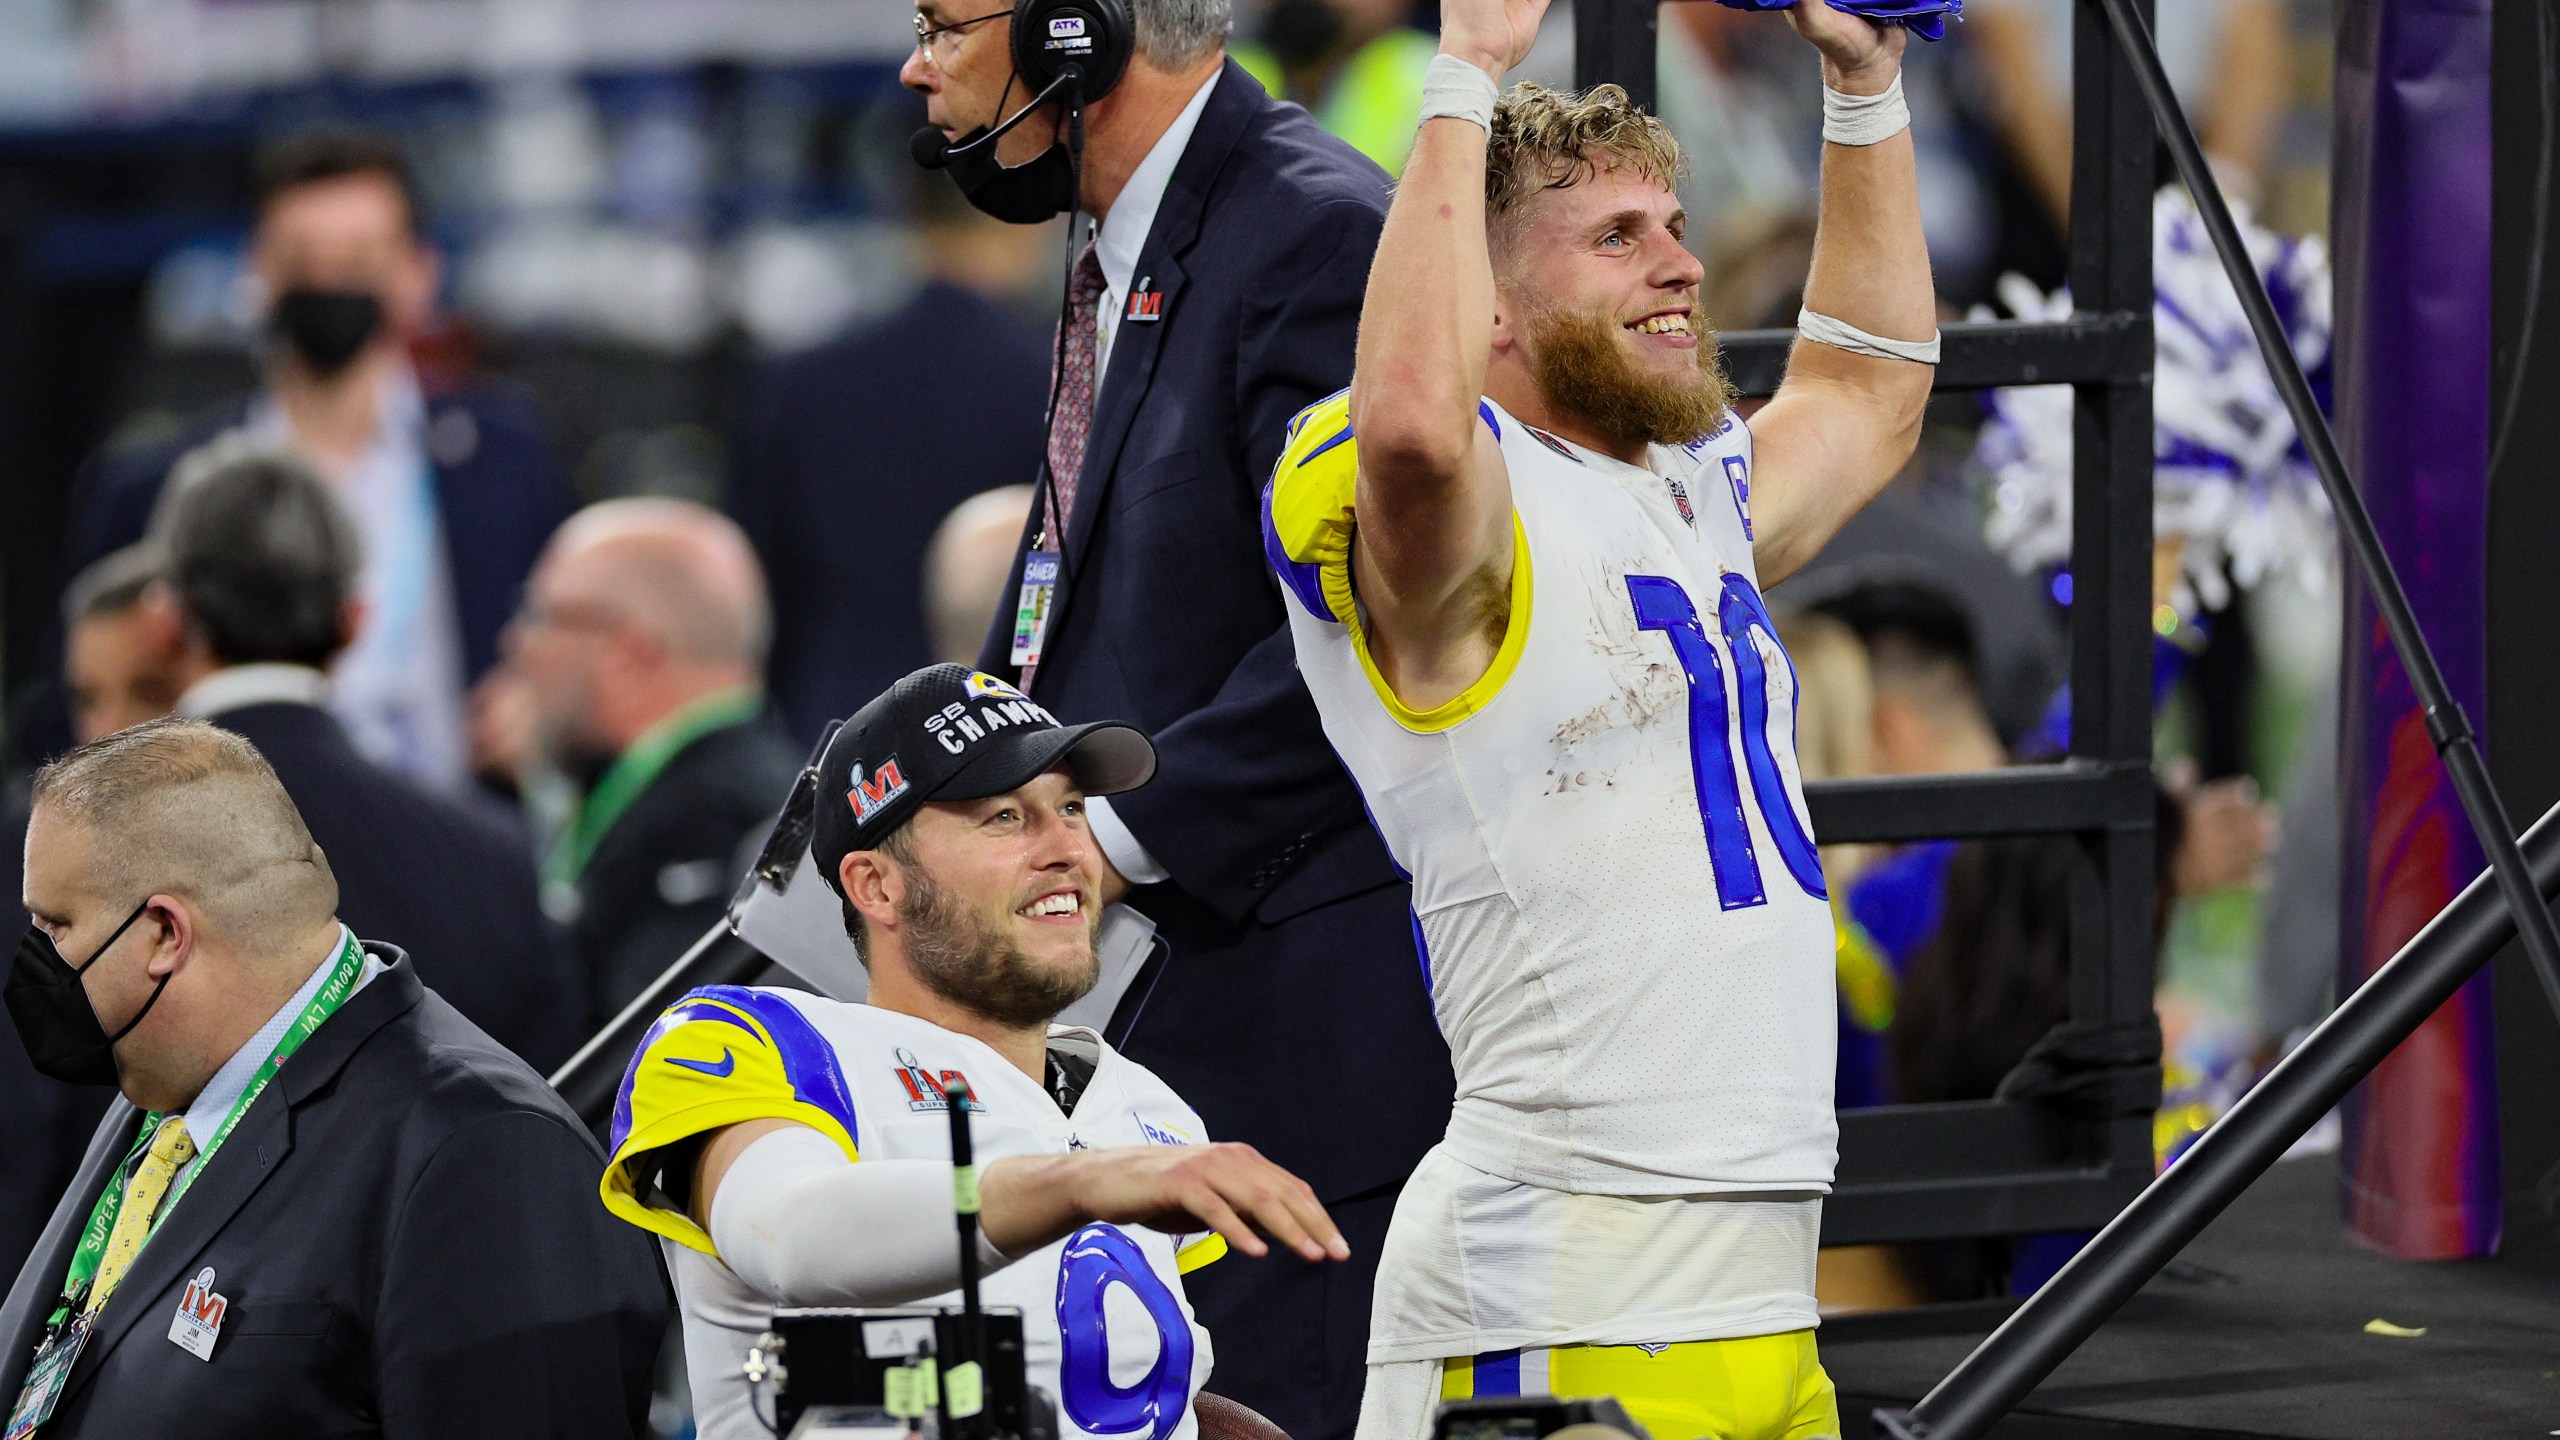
<point x="964" y="1204"/>
<point x="2237" y="1150"/>
<point x="587" y="1079"/>
<point x="2449" y="727"/>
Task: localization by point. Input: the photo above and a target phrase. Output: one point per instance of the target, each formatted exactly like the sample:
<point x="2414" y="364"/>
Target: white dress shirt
<point x="1124" y="231"/>
<point x="399" y="687"/>
<point x="213" y="1103"/>
<point x="242" y="686"/>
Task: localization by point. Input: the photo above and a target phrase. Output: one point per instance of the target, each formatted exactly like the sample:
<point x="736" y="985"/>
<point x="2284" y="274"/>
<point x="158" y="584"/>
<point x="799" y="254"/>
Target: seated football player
<point x="794" y="1150"/>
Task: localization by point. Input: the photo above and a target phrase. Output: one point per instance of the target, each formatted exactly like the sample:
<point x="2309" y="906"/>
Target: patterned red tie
<point x="1074" y="418"/>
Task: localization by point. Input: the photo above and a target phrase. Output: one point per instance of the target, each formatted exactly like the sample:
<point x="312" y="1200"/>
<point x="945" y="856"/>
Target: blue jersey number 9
<point x="1662" y="605"/>
<point x="1098" y="1257"/>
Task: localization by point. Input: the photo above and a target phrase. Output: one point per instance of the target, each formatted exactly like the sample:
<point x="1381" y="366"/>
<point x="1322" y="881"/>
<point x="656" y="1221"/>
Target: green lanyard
<point x="102" y="1217"/>
<point x="637" y="769"/>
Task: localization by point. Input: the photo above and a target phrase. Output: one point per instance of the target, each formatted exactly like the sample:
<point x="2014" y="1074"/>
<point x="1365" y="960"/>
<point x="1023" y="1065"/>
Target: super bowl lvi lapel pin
<point x="199" y="1317"/>
<point x="1146" y="306"/>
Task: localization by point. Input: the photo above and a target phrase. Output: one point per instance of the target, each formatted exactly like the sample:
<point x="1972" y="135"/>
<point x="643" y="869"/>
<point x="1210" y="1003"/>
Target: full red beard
<point x="1580" y="364"/>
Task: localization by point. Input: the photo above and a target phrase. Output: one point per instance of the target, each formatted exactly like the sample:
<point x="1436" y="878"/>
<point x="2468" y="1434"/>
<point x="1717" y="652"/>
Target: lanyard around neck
<point x="343" y="978"/>
<point x="637" y="769"/>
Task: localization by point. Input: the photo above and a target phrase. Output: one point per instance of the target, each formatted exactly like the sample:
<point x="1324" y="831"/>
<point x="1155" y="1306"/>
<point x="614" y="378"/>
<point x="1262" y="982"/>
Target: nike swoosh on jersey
<point x="717" y="1070"/>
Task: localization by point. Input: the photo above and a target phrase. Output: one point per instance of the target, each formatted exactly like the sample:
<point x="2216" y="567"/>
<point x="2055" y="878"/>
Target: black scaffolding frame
<point x="1990" y="1168"/>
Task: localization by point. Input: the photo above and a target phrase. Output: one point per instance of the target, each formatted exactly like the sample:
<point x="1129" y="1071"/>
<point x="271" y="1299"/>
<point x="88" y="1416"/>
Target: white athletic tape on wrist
<point x="1453" y="88"/>
<point x="1841" y="335"/>
<point x="1864" y="119"/>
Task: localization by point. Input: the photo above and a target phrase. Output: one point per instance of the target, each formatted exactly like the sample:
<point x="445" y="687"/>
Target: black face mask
<point x="1300" y="33"/>
<point x="328" y="329"/>
<point x="1026" y="194"/>
<point x="60" y="1028"/>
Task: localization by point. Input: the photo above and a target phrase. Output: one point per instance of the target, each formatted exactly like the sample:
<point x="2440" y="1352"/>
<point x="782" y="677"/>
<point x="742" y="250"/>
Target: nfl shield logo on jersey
<point x="1680" y="497"/>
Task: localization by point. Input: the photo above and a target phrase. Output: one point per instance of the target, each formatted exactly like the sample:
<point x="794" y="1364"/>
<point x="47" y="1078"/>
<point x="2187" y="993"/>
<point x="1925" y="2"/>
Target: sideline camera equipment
<point x="952" y="1374"/>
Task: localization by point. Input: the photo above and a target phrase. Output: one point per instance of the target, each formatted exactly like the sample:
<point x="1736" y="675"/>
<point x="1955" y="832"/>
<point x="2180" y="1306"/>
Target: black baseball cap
<point x="947" y="732"/>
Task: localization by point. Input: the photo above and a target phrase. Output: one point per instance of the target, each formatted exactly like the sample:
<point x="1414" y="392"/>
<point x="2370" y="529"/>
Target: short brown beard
<point x="965" y="962"/>
<point x="1581" y="368"/>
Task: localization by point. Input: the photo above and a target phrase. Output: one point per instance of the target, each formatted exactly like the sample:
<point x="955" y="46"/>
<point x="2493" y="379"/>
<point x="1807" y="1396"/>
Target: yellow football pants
<point x="1764" y="1387"/>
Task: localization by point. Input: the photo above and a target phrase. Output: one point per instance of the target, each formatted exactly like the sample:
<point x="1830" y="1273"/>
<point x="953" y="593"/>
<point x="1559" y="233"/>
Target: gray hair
<point x="1175" y="33"/>
<point x="191" y="809"/>
<point x="260" y="553"/>
<point x="111" y="584"/>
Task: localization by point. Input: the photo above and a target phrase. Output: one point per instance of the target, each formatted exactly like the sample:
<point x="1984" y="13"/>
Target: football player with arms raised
<point x="794" y="1150"/>
<point x="1526" y="552"/>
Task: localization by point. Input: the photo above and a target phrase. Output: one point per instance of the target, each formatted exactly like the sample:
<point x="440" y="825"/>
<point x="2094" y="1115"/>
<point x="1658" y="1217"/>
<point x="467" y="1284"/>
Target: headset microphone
<point x="932" y="150"/>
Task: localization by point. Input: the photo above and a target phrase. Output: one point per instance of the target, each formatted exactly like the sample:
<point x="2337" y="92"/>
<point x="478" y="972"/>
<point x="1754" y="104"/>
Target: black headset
<point x="1079" y="47"/>
<point x="1095" y="36"/>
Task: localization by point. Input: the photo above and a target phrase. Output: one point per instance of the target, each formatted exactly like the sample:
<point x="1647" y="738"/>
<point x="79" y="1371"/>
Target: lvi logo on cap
<point x="873" y="792"/>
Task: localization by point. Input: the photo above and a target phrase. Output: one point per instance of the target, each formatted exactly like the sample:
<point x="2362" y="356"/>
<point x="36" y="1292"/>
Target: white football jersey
<point x="1107" y="1330"/>
<point x="1621" y="910"/>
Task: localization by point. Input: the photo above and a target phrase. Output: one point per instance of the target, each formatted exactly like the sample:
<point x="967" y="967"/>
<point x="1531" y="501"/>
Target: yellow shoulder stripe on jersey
<point x="1208" y="1249"/>
<point x="1308" y="520"/>
<point x="720" y="1056"/>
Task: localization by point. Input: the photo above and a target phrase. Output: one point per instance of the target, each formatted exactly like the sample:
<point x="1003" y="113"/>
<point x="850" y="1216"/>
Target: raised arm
<point x="1432" y="559"/>
<point x="1844" y="422"/>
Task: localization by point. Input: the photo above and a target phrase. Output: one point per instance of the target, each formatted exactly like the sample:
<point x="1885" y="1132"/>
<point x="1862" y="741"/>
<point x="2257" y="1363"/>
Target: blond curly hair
<point x="1545" y="139"/>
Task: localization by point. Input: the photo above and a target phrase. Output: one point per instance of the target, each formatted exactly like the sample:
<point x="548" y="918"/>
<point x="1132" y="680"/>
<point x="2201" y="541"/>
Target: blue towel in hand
<point x="1927" y="18"/>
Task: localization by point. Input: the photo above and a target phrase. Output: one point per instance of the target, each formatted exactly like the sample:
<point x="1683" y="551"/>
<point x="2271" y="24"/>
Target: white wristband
<point x="1453" y="88"/>
<point x="1841" y="335"/>
<point x="1864" y="119"/>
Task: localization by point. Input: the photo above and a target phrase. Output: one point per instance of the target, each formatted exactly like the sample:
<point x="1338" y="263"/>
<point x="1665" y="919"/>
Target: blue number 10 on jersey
<point x="1662" y="605"/>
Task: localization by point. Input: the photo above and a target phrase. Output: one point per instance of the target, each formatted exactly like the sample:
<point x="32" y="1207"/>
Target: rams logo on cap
<point x="992" y="705"/>
<point x="870" y="794"/>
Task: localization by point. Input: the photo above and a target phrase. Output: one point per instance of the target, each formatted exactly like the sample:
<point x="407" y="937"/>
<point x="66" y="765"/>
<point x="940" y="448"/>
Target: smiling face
<point x="993" y="904"/>
<point x="1598" y="309"/>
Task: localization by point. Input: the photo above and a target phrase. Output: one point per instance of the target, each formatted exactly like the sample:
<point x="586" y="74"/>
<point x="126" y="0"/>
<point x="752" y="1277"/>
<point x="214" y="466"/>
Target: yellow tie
<point x="171" y="1148"/>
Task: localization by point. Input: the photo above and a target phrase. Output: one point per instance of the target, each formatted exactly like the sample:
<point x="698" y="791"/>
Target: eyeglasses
<point x="929" y="35"/>
<point x="567" y="615"/>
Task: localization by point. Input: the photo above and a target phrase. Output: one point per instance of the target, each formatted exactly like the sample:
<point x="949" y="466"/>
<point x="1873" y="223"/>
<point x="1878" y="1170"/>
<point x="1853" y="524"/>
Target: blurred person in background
<point x="2227" y="60"/>
<point x="1747" y="125"/>
<point x="453" y="493"/>
<point x="116" y="673"/>
<point x="850" y="454"/>
<point x="115" y="669"/>
<point x="1992" y="981"/>
<point x="1925" y="717"/>
<point x="1929" y="718"/>
<point x="1355" y="64"/>
<point x="633" y="677"/>
<point x="967" y="566"/>
<point x="258" y="596"/>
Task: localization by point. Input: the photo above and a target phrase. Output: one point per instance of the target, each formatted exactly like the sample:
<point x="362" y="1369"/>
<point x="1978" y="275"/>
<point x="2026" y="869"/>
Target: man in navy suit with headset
<point x="1219" y="295"/>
